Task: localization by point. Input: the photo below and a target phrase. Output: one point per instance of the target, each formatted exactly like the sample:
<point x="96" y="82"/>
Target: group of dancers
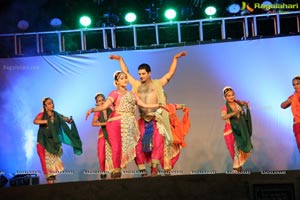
<point x="154" y="139"/>
<point x="238" y="124"/>
<point x="156" y="136"/>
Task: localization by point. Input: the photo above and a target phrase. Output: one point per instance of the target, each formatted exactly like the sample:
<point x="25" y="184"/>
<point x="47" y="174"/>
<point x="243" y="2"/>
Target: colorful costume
<point x="295" y="106"/>
<point x="122" y="130"/>
<point x="237" y="135"/>
<point x="156" y="129"/>
<point x="102" y="138"/>
<point x="50" y="139"/>
<point x="179" y="130"/>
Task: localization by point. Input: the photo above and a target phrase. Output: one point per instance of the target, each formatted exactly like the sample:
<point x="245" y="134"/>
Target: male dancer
<point x="154" y="126"/>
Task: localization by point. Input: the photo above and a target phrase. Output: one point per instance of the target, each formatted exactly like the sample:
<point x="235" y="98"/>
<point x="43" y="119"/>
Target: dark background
<point x="40" y="12"/>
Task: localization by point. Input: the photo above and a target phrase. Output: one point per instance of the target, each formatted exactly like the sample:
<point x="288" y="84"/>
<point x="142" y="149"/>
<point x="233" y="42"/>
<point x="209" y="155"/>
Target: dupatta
<point x="52" y="135"/>
<point x="242" y="128"/>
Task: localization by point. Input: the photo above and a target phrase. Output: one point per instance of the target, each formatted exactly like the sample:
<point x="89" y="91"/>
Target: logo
<point x="246" y="6"/>
<point x="267" y="5"/>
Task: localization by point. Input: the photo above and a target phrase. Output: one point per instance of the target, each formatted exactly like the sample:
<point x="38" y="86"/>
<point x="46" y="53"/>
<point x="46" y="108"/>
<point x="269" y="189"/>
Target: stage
<point x="253" y="186"/>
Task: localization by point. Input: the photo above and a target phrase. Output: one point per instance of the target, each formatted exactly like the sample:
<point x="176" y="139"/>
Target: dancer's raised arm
<point x="123" y="67"/>
<point x="167" y="77"/>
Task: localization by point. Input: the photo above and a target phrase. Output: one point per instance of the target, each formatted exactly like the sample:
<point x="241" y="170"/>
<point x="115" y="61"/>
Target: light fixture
<point x="130" y="17"/>
<point x="170" y="14"/>
<point x="234" y="8"/>
<point x="3" y="180"/>
<point x="153" y="15"/>
<point x="187" y="12"/>
<point x="55" y="22"/>
<point x="85" y="21"/>
<point x="23" y="25"/>
<point x="210" y="11"/>
<point x="266" y="5"/>
<point x="110" y="19"/>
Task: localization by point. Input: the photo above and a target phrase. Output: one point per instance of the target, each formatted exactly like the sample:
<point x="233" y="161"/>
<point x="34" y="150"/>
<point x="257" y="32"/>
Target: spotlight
<point x="110" y="19"/>
<point x="234" y="8"/>
<point x="153" y="13"/>
<point x="130" y="17"/>
<point x="170" y="14"/>
<point x="55" y="22"/>
<point x="210" y="11"/>
<point x="23" y="25"/>
<point x="3" y="180"/>
<point x="245" y="12"/>
<point x="266" y="3"/>
<point x="85" y="21"/>
<point x="187" y="12"/>
<point x="266" y="6"/>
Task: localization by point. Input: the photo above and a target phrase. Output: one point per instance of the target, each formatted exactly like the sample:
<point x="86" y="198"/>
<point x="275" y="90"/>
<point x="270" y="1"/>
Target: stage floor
<point x="260" y="185"/>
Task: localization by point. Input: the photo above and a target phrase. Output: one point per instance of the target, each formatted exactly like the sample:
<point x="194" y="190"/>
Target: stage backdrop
<point x="260" y="71"/>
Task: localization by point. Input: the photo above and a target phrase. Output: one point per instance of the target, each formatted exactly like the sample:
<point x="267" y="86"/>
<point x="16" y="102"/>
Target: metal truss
<point x="155" y="35"/>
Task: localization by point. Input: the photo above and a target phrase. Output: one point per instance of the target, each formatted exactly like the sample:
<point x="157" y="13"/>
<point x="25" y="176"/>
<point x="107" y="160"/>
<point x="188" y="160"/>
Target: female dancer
<point x="100" y="119"/>
<point x="294" y="102"/>
<point x="53" y="131"/>
<point x="238" y="128"/>
<point x="122" y="127"/>
<point x="179" y="130"/>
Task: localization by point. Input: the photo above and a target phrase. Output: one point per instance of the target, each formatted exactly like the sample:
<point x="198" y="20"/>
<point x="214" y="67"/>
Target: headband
<point x="116" y="76"/>
<point x="296" y="77"/>
<point x="226" y="90"/>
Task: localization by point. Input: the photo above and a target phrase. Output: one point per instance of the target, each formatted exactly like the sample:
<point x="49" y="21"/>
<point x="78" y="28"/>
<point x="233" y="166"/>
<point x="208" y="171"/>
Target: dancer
<point x="238" y="128"/>
<point x="53" y="131"/>
<point x="122" y="127"/>
<point x="100" y="119"/>
<point x="154" y="124"/>
<point x="294" y="102"/>
<point x="179" y="130"/>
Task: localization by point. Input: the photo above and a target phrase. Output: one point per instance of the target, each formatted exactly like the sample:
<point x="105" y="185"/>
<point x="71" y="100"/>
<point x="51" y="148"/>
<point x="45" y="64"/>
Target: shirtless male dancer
<point x="154" y="124"/>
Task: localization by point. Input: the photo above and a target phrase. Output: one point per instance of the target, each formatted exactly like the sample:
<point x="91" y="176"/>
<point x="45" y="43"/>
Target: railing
<point x="162" y="34"/>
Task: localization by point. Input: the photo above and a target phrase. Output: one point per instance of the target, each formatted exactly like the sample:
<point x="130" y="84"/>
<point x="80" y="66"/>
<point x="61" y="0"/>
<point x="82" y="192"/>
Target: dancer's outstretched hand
<point x="179" y="55"/>
<point x="88" y="113"/>
<point x="115" y="57"/>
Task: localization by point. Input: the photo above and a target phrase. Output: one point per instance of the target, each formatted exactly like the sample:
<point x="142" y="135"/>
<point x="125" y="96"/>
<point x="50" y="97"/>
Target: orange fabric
<point x="295" y="105"/>
<point x="186" y="120"/>
<point x="179" y="128"/>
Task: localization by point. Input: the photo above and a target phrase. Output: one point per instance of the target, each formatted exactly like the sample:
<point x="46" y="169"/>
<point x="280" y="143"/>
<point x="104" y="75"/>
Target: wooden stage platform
<point x="265" y="185"/>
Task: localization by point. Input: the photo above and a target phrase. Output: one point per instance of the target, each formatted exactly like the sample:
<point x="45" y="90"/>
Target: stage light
<point x="170" y="14"/>
<point x="233" y="8"/>
<point x="110" y="19"/>
<point x="23" y="25"/>
<point x="210" y="11"/>
<point x="266" y="5"/>
<point x="245" y="12"/>
<point x="85" y="21"/>
<point x="55" y="22"/>
<point x="3" y="180"/>
<point x="152" y="11"/>
<point x="130" y="17"/>
<point x="187" y="12"/>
